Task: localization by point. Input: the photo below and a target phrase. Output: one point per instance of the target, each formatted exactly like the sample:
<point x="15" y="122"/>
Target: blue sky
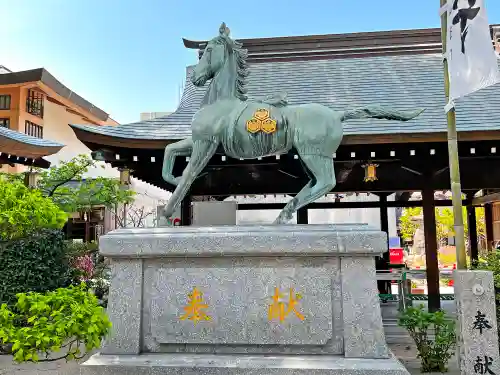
<point x="127" y="56"/>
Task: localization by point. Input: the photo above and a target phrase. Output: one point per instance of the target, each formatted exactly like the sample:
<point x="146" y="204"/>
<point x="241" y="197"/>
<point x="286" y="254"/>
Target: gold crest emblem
<point x="253" y="125"/>
<point x="261" y="114"/>
<point x="269" y="126"/>
<point x="261" y="121"/>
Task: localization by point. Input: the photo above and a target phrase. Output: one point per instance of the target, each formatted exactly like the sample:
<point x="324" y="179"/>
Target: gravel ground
<point x="406" y="354"/>
<point x="49" y="368"/>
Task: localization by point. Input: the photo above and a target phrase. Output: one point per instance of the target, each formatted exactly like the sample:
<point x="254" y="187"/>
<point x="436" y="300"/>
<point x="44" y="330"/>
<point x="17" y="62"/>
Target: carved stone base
<point x="284" y="300"/>
<point x="214" y="364"/>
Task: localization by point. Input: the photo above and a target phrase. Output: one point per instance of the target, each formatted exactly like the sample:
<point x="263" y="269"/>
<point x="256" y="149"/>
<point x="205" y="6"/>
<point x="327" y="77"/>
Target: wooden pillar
<point x="186" y="211"/>
<point x="471" y="221"/>
<point x="382" y="263"/>
<point x="124" y="215"/>
<point x="303" y="216"/>
<point x="431" y="248"/>
<point x="125" y="181"/>
<point x="384" y="220"/>
<point x="87" y="230"/>
<point x="488" y="223"/>
<point x="69" y="228"/>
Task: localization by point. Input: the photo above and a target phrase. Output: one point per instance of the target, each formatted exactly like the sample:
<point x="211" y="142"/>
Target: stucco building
<point x="36" y="109"/>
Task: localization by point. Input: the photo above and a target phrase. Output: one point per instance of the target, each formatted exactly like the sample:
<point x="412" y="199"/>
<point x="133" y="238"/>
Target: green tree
<point x="407" y="225"/>
<point x="53" y="180"/>
<point x="24" y="211"/>
<point x="66" y="186"/>
<point x="444" y="223"/>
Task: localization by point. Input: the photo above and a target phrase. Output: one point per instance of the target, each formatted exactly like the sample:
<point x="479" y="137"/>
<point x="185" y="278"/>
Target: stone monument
<point x="477" y="322"/>
<point x="298" y="299"/>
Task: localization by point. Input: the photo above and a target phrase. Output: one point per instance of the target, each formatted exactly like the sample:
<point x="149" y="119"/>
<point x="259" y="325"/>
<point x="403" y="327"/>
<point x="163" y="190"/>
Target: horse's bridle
<point x="209" y="57"/>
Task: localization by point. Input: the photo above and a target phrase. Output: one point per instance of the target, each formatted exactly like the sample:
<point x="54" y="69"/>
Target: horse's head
<point x="214" y="56"/>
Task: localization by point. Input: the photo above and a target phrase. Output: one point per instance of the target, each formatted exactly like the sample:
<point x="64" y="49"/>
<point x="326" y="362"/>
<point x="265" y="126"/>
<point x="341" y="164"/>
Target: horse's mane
<point x="240" y="55"/>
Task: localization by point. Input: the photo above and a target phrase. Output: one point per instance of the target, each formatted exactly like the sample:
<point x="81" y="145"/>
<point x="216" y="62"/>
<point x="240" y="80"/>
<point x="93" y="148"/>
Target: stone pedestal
<point x="240" y="299"/>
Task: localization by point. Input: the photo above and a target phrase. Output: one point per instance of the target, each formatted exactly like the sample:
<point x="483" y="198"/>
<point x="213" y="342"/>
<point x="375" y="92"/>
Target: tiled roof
<point x="402" y="82"/>
<point x="26" y="139"/>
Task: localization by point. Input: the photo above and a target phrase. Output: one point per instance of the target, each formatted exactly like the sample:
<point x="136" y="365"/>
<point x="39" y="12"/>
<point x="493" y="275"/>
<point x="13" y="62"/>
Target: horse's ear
<point x="224" y="30"/>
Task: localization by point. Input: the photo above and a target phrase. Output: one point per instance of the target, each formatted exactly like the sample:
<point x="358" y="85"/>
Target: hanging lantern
<point x="370" y="172"/>
<point x="124" y="176"/>
<point x="98" y="155"/>
<point x="31" y="179"/>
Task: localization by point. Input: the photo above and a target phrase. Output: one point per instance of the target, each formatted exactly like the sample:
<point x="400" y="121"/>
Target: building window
<point x="5" y="122"/>
<point x="34" y="103"/>
<point x="4" y="101"/>
<point x="33" y="129"/>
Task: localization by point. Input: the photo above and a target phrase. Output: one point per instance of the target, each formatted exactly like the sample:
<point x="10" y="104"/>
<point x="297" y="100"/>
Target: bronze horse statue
<point x="251" y="129"/>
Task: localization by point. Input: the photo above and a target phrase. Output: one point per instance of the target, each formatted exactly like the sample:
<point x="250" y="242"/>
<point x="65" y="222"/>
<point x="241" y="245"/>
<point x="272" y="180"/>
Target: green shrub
<point x="35" y="264"/>
<point x="24" y="210"/>
<point x="99" y="286"/>
<point x="101" y="280"/>
<point x="61" y="321"/>
<point x="79" y="249"/>
<point x="434" y="354"/>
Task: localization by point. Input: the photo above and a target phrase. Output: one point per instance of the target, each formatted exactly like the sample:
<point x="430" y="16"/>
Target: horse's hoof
<point x="280" y="221"/>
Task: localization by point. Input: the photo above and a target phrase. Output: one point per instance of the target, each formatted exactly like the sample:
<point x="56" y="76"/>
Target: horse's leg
<point x="200" y="156"/>
<point x="181" y="148"/>
<point x="289" y="209"/>
<point x="321" y="167"/>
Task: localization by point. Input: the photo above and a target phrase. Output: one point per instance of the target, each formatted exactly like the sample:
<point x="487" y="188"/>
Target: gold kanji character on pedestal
<point x="280" y="310"/>
<point x="194" y="310"/>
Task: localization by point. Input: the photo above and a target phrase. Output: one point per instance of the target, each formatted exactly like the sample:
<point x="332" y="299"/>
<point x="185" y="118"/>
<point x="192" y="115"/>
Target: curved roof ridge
<point x="382" y="43"/>
<point x="27" y="139"/>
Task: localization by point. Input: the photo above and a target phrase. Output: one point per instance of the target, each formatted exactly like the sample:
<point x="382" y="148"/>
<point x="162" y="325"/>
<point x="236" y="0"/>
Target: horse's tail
<point x="376" y="111"/>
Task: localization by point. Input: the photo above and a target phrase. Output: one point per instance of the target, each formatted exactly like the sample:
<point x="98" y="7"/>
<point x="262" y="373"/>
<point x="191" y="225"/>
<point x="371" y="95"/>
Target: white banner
<point x="472" y="61"/>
